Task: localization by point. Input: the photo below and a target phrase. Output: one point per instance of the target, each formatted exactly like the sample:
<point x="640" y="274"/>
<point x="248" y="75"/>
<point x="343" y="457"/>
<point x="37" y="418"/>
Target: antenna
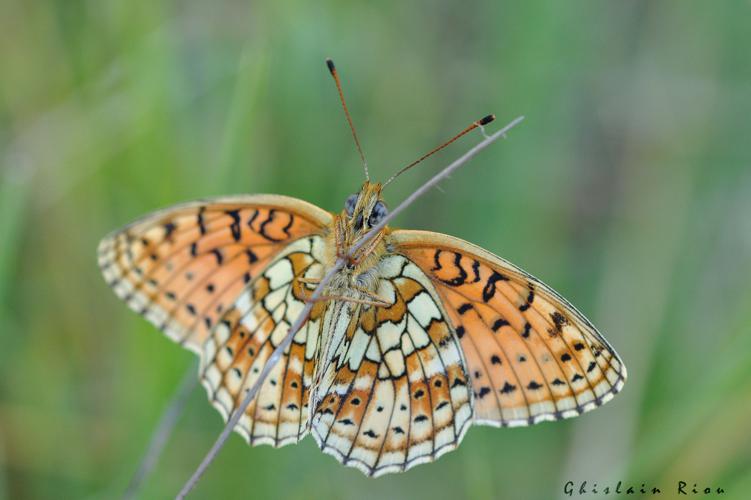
<point x="477" y="124"/>
<point x="332" y="70"/>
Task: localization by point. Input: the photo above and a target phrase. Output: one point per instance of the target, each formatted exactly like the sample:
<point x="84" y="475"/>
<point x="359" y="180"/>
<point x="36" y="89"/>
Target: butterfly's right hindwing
<point x="396" y="392"/>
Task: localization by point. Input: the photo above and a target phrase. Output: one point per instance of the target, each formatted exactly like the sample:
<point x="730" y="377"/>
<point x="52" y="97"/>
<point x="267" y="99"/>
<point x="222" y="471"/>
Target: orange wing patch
<point x="396" y="393"/>
<point x="182" y="267"/>
<point x="249" y="331"/>
<point x="530" y="354"/>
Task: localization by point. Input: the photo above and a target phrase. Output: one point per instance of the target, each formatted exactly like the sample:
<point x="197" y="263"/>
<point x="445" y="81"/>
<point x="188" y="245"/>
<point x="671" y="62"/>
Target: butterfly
<point x="418" y="337"/>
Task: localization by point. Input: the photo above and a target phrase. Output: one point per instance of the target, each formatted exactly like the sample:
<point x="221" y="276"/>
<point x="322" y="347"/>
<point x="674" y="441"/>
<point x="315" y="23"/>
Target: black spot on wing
<point x="200" y="221"/>
<point x="288" y="226"/>
<point x="489" y="291"/>
<point x="558" y="320"/>
<point x="251" y="219"/>
<point x="528" y="303"/>
<point x="464" y="308"/>
<point x="527" y="328"/>
<point x="169" y="228"/>
<point x="476" y="271"/>
<point x="458" y="382"/>
<point x="235" y="226"/>
<point x="461" y="278"/>
<point x="252" y="257"/>
<point x="500" y="322"/>
<point x="507" y="388"/>
<point x="262" y="227"/>
<point x="436" y="260"/>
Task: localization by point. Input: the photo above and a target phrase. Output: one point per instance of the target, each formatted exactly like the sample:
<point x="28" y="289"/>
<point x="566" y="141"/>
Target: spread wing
<point x="395" y="392"/>
<point x="246" y="335"/>
<point x="218" y="276"/>
<point x="530" y="354"/>
<point x="182" y="266"/>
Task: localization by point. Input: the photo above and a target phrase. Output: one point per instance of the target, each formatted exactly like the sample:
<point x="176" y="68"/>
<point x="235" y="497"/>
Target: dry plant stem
<point x="163" y="430"/>
<point x="277" y="354"/>
<point x="434" y="181"/>
<point x="273" y="359"/>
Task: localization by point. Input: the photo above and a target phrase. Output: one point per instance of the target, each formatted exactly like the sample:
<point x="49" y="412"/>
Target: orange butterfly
<point x="418" y="337"/>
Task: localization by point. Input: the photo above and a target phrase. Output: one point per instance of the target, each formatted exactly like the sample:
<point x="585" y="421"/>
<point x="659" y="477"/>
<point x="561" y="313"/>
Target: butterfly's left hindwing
<point x="246" y="335"/>
<point x="396" y="393"/>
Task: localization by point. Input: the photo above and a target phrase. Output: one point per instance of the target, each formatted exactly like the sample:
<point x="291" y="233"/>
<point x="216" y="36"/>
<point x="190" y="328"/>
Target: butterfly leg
<point x="375" y="299"/>
<point x="342" y="247"/>
<point x="309" y="281"/>
<point x="367" y="249"/>
<point x="367" y="302"/>
<point x="370" y="298"/>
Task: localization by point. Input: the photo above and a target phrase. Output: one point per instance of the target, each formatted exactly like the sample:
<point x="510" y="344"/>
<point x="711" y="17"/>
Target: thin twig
<point x="340" y="262"/>
<point x="163" y="430"/>
<point x="435" y="180"/>
<point x="275" y="356"/>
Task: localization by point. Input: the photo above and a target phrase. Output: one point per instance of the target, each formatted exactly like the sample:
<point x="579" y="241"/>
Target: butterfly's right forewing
<point x="532" y="355"/>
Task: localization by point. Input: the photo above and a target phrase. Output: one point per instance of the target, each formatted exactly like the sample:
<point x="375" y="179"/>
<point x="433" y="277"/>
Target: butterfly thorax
<point x="359" y="277"/>
<point x="356" y="284"/>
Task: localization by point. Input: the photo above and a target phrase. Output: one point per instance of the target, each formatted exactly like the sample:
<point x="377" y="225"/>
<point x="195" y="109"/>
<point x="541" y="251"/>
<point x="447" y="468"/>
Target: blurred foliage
<point x="627" y="188"/>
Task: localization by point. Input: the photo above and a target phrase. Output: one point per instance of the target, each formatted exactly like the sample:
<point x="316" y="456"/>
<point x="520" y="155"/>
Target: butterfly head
<point x="364" y="210"/>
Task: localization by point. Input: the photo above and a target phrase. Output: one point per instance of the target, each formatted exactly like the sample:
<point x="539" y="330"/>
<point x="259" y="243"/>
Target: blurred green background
<point x="627" y="188"/>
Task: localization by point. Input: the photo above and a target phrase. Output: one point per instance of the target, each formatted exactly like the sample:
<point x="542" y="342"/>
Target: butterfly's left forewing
<point x="181" y="266"/>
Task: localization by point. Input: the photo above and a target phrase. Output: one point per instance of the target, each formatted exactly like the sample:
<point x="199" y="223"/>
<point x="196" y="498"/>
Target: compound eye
<point x="377" y="214"/>
<point x="349" y="205"/>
